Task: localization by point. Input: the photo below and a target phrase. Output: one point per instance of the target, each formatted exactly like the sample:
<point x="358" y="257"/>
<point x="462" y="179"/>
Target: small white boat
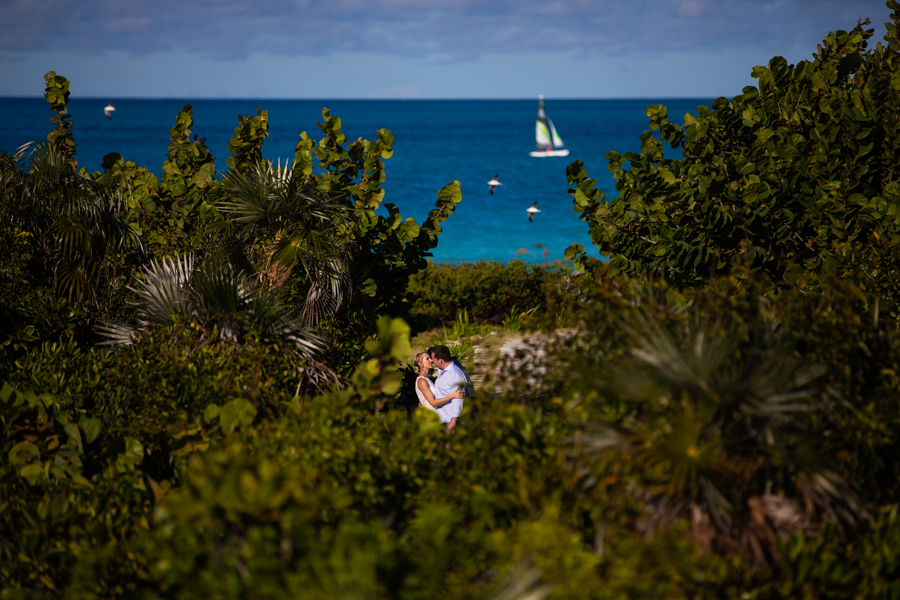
<point x="548" y="141"/>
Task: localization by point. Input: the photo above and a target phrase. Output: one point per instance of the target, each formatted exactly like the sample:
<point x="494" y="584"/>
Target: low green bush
<point x="833" y="566"/>
<point x="96" y="439"/>
<point x="488" y="290"/>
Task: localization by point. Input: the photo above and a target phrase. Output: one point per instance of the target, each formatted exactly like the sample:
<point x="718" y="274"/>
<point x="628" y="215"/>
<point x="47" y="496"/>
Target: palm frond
<point x="73" y="238"/>
<point x="723" y="420"/>
<point x="327" y="269"/>
<point x="47" y="163"/>
<point x="306" y="340"/>
<point x="317" y="376"/>
<point x="220" y="288"/>
<point x="775" y="388"/>
<point x="71" y="279"/>
<point x="268" y="311"/>
<point x="716" y="504"/>
<point x="524" y="583"/>
<point x="253" y="194"/>
<point x="117" y="333"/>
<point x="297" y="228"/>
<point x="274" y="272"/>
<point x="75" y="219"/>
<point x="684" y="451"/>
<point x="17" y="161"/>
<point x="218" y="296"/>
<point x="163" y="289"/>
<point x="598" y="437"/>
<point x="758" y="381"/>
<point x="826" y="490"/>
<point x="691" y="366"/>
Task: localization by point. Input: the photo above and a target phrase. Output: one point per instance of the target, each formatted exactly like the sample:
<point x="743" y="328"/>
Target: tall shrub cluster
<point x="798" y="172"/>
<point x="308" y="232"/>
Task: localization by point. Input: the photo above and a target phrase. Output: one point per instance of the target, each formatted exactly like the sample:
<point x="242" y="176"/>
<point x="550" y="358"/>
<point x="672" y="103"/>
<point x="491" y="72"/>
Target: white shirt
<point x="448" y="381"/>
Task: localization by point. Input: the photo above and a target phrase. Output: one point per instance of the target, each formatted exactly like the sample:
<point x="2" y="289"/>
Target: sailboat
<point x="546" y="136"/>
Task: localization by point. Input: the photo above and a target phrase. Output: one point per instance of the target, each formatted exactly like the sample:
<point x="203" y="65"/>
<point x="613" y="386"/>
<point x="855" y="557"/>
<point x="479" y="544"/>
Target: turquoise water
<point x="436" y="141"/>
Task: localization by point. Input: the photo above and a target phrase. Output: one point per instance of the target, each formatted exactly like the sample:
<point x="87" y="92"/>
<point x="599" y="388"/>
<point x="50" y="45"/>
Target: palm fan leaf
<point x="692" y="366"/>
<point x="268" y="311"/>
<point x="764" y="392"/>
<point x="163" y="289"/>
<point x="759" y="382"/>
<point x="523" y="583"/>
<point x="827" y="490"/>
<point x="326" y="271"/>
<point x="726" y="408"/>
<point x="326" y="293"/>
<point x="219" y="288"/>
<point x="117" y="333"/>
<point x="71" y="279"/>
<point x="295" y="224"/>
<point x="596" y="438"/>
<point x="216" y="294"/>
<point x="73" y="238"/>
<point x="296" y="227"/>
<point x="326" y="266"/>
<point x="318" y="376"/>
<point x="277" y="272"/>
<point x="48" y="172"/>
<point x="252" y="193"/>
<point x="716" y="504"/>
<point x="14" y="165"/>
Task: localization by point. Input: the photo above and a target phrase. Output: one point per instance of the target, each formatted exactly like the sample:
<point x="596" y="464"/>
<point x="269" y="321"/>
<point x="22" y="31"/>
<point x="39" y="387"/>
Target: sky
<point x="414" y="49"/>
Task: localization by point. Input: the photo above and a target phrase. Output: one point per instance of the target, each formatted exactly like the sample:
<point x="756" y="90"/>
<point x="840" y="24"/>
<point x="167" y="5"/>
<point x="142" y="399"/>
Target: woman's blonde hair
<point x="418" y="362"/>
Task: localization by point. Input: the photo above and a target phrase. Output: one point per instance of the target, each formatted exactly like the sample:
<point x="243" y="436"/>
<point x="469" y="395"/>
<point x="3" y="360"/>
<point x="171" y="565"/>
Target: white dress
<point x="422" y="401"/>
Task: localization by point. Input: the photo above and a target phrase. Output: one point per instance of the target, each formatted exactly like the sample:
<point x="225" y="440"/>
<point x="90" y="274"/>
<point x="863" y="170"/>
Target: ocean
<point x="435" y="142"/>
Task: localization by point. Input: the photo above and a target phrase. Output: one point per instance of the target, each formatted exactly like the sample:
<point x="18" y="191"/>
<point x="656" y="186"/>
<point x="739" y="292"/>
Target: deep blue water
<point x="436" y="141"/>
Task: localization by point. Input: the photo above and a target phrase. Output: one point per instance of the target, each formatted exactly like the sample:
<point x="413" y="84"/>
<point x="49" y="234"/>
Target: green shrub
<point x="796" y="172"/>
<point x="489" y="291"/>
<point x="832" y="566"/>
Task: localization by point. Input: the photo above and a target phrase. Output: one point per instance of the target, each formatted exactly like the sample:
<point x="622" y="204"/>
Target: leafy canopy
<point x="801" y="170"/>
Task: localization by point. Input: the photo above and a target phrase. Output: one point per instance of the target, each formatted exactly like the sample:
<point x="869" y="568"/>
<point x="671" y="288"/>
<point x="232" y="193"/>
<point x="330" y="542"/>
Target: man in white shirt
<point x="450" y="378"/>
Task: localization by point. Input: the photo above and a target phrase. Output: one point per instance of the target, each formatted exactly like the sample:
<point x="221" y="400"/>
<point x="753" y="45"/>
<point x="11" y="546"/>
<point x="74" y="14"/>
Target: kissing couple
<point x="446" y="393"/>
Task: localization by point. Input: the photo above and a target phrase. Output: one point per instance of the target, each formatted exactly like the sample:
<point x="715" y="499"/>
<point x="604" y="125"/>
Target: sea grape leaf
<point x="91" y="428"/>
<point x="22" y="453"/>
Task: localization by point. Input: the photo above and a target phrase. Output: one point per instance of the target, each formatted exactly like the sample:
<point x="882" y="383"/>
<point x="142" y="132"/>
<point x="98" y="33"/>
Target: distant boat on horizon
<point x="545" y="135"/>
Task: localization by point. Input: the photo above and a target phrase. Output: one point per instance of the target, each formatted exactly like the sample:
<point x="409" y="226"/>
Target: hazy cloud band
<point x="447" y="29"/>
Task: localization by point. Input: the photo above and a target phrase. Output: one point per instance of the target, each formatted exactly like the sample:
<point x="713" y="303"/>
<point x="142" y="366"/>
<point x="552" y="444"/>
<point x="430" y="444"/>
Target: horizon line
<point x="384" y="99"/>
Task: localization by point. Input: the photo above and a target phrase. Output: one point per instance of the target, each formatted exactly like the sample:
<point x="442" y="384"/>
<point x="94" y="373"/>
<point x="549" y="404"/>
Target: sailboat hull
<point x="543" y="153"/>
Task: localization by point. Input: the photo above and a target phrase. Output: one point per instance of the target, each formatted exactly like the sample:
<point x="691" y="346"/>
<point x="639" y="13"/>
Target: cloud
<point x="455" y="30"/>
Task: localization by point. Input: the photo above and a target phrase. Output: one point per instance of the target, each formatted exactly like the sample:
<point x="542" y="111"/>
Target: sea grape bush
<point x="247" y="142"/>
<point x="796" y="172"/>
<point x="61" y="138"/>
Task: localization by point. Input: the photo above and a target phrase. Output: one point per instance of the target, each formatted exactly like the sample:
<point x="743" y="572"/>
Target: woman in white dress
<point x="425" y="387"/>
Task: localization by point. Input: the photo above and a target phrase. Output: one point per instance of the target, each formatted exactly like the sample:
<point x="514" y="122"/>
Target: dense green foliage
<point x="799" y="172"/>
<point x="243" y="430"/>
<point x="488" y="291"/>
<point x="225" y="481"/>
